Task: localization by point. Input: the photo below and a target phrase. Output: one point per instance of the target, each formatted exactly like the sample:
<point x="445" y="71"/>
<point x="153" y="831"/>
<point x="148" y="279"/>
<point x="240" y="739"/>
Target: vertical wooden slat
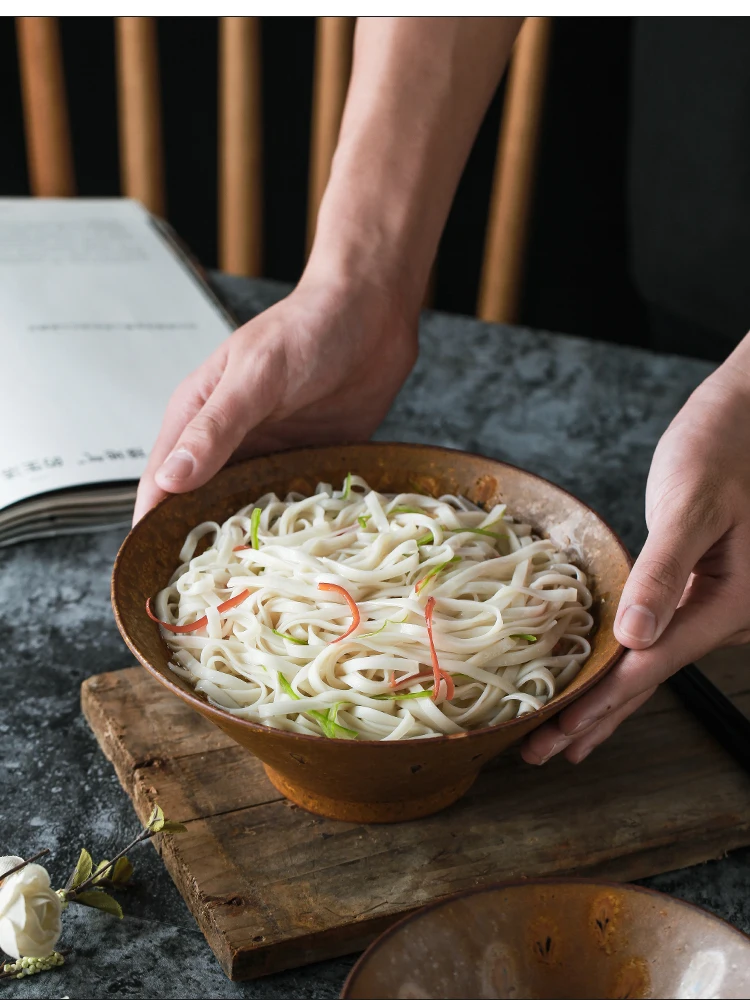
<point x="334" y="38"/>
<point x="139" y="112"/>
<point x="240" y="149"/>
<point x="514" y="169"/>
<point x="45" y="109"/>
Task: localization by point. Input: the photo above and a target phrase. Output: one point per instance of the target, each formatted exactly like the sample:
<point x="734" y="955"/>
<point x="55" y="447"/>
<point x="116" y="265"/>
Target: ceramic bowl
<point x="571" y="938"/>
<point x="368" y="781"/>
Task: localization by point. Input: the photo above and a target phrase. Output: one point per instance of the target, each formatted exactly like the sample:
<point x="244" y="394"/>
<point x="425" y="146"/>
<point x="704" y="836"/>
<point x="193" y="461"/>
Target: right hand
<point x="321" y="366"/>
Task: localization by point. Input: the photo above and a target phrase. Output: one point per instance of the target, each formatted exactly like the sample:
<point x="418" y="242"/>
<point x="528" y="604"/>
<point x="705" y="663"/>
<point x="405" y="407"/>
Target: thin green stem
<point x="144" y="835"/>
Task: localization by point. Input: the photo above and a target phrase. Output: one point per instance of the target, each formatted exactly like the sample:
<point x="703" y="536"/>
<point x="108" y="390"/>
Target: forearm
<point x="418" y="93"/>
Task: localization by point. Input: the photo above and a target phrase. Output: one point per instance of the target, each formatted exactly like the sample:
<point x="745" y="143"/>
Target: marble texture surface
<point x="586" y="415"/>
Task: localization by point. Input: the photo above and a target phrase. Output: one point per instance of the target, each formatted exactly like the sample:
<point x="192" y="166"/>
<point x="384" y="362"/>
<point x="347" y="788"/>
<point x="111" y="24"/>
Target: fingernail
<point x="557" y="746"/>
<point x="583" y="756"/>
<point x="178" y="465"/>
<point x="638" y="623"/>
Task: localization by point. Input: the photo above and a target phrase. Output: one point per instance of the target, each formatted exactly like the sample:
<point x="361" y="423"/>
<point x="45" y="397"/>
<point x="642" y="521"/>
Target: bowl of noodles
<point x="374" y="622"/>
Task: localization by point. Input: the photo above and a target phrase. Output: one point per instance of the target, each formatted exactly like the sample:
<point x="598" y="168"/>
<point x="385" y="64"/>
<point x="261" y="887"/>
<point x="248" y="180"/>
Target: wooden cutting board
<point x="273" y="886"/>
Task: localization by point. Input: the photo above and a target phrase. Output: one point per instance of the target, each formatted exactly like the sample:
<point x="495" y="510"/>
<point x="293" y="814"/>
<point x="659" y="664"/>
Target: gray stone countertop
<point x="586" y="415"/>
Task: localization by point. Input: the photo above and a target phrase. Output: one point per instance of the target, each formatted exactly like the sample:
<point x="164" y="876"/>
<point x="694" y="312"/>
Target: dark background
<point x="577" y="276"/>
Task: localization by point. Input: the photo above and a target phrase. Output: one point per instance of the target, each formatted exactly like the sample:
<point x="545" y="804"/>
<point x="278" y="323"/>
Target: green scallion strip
<point x="406" y="510"/>
<point x="254" y="525"/>
<point x="402" y="697"/>
<point x="528" y="638"/>
<point x="476" y="531"/>
<point x="363" y="519"/>
<point x="388" y="621"/>
<point x="287" y="688"/>
<point x="283" y="635"/>
<point x="435" y="570"/>
<point x="331" y="728"/>
<point x="426" y="539"/>
<point x="347" y="490"/>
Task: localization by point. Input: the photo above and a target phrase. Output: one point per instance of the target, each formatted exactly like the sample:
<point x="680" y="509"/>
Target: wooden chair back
<point x="240" y="221"/>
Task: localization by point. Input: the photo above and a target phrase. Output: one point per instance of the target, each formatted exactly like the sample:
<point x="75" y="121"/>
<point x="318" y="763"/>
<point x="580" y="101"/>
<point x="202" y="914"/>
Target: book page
<point x="99" y="322"/>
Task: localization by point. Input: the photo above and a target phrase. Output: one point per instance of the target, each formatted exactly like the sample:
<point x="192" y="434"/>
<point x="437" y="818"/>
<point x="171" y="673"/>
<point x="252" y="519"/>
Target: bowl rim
<point x="596" y="883"/>
<point x="218" y="715"/>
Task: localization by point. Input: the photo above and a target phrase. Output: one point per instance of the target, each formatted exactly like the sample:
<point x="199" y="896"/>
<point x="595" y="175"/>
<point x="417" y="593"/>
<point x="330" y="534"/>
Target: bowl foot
<point x="353" y="811"/>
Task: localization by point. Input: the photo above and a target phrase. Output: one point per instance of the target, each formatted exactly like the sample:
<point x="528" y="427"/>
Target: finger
<point x="549" y="740"/>
<point x="242" y="399"/>
<point x="185" y="403"/>
<point x="147" y="496"/>
<point x="697" y="627"/>
<point x="660" y="575"/>
<point x="545" y="742"/>
<point x="579" y="749"/>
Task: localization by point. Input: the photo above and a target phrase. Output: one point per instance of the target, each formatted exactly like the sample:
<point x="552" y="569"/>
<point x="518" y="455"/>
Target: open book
<point x="101" y="316"/>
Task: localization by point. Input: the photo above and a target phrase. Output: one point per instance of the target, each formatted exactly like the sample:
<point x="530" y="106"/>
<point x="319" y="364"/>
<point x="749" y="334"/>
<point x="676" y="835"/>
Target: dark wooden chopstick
<point x="723" y="720"/>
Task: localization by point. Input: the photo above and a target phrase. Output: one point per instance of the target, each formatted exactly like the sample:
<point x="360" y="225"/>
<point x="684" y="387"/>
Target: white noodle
<point x="509" y="623"/>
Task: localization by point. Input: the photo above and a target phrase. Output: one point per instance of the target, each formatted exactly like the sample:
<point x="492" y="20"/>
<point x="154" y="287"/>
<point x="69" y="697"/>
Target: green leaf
<point x="156" y="822"/>
<point x="420" y="584"/>
<point x="346" y="492"/>
<point x="363" y="519"/>
<point x="528" y="638"/>
<point x="254" y="524"/>
<point x="171" y="827"/>
<point x="286" y="687"/>
<point x="100" y="900"/>
<point x="122" y="871"/>
<point x="102" y="867"/>
<point x="283" y="635"/>
<point x="83" y="869"/>
<point x="402" y="697"/>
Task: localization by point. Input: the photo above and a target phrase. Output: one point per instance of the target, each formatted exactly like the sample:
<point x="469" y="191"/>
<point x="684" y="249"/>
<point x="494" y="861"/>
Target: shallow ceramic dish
<point x="368" y="781"/>
<point x="572" y="938"/>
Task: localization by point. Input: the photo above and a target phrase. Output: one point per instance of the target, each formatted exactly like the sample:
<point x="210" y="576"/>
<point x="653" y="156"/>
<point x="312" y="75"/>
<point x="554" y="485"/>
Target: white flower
<point x="29" y="911"/>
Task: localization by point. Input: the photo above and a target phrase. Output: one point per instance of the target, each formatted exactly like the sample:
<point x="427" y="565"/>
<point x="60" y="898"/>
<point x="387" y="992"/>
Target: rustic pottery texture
<point x="366" y="781"/>
<point x="557" y="939"/>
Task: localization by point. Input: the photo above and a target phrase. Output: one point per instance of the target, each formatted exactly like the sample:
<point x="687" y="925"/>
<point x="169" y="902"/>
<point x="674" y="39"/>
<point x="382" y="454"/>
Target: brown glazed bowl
<point x="555" y="938"/>
<point x="368" y="781"/>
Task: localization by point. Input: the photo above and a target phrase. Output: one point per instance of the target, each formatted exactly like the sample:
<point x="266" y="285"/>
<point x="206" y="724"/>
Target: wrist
<point x="361" y="261"/>
<point x="367" y="238"/>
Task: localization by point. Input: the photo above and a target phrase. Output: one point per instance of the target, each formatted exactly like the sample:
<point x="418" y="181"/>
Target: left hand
<point x="689" y="591"/>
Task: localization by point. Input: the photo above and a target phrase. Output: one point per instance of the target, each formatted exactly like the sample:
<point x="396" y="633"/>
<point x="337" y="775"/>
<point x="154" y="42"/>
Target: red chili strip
<point x="201" y="622"/>
<point x="439" y="674"/>
<point x="233" y="601"/>
<point x="352" y="606"/>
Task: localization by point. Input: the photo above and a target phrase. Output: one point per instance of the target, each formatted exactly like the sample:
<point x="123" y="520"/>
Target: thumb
<point x="658" y="579"/>
<point x="212" y="436"/>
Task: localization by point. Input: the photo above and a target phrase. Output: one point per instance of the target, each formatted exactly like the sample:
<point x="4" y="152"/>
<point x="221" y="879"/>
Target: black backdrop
<point x="577" y="278"/>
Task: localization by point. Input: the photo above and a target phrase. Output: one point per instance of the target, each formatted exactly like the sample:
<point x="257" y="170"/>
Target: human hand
<point x="321" y="366"/>
<point x="689" y="591"/>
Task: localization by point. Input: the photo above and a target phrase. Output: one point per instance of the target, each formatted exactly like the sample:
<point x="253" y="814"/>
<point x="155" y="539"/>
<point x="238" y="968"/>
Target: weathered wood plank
<point x="272" y="886"/>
